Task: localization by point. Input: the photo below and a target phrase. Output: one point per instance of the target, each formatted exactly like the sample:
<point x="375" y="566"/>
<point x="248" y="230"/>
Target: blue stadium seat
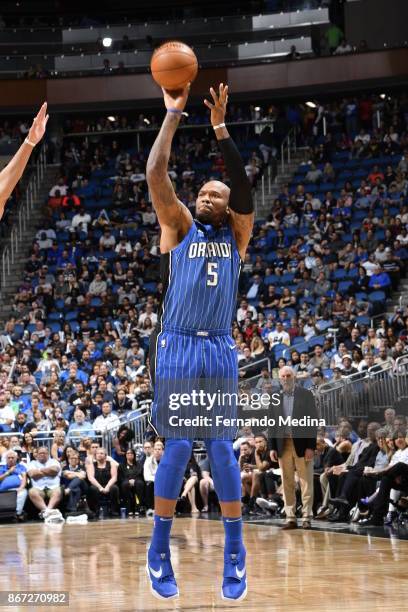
<point x="54" y="326"/>
<point x="316" y="340"/>
<point x="323" y="326"/>
<point x="339" y="274"/>
<point x="72" y="315"/>
<point x="74" y="325"/>
<point x="344" y="286"/>
<point x="377" y="296"/>
<point x="363" y="320"/>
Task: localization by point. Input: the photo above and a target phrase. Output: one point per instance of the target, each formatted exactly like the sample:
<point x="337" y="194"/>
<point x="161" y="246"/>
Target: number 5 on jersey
<point x="212" y="274"/>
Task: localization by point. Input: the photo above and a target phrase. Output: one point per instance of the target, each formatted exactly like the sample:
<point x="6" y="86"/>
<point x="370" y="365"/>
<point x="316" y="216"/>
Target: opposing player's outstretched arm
<point x="240" y="204"/>
<point x="11" y="174"/>
<point x="175" y="219"/>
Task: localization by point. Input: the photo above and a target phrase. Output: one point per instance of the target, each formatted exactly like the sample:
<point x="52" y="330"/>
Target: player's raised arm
<point x="240" y="202"/>
<point x="175" y="219"/>
<point x="11" y="174"/>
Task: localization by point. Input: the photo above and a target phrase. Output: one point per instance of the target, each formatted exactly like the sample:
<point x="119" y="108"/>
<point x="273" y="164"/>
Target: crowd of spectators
<point x="322" y="263"/>
<point x="357" y="467"/>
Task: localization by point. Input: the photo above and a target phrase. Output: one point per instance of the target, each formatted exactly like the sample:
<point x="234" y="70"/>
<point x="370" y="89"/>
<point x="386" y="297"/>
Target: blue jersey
<point x="200" y="278"/>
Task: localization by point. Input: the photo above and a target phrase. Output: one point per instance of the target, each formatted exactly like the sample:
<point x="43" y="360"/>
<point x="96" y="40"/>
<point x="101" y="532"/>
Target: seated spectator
<point x="80" y="427"/>
<point x="103" y="490"/>
<point x="73" y="480"/>
<point x="120" y="443"/>
<point x="106" y="421"/>
<point x="44" y="474"/>
<point x="254" y="472"/>
<point x="81" y="220"/>
<point x="13" y="477"/>
<point x="98" y="286"/>
<point x="58" y="445"/>
<point x="278" y="336"/>
<point x="303" y="369"/>
<point x="394" y="478"/>
<point x="7" y="416"/>
<point x="132" y="484"/>
<point x="347" y="491"/>
<point x="380" y="280"/>
<point x="206" y="483"/>
<point x="192" y="476"/>
<point x="319" y="359"/>
<point x="314" y="175"/>
<point x="60" y="186"/>
<point x="343" y="48"/>
<point x="149" y="472"/>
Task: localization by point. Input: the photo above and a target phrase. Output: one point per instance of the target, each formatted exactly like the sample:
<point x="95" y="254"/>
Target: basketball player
<point x="11" y="174"/>
<point x="200" y="265"/>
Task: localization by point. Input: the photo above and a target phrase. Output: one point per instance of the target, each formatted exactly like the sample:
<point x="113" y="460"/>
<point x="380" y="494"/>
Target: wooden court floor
<point x="102" y="565"/>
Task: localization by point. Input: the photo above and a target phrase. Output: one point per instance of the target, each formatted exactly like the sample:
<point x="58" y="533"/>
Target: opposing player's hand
<point x="176" y="99"/>
<point x="219" y="105"/>
<point x="37" y="129"/>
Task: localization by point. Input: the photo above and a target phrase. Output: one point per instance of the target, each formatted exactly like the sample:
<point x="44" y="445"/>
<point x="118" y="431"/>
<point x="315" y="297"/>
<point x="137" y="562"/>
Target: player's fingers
<point x="207" y="103"/>
<point x="42" y="111"/>
<point x="214" y="95"/>
<point x="46" y="120"/>
<point x="226" y="93"/>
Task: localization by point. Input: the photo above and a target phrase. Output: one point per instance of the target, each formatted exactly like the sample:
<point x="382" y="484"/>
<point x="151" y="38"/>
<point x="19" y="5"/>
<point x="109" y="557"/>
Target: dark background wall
<point x="377" y="21"/>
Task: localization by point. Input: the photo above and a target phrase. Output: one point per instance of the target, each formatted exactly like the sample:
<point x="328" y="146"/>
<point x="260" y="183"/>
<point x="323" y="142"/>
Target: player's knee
<point x="221" y="452"/>
<point x="177" y="453"/>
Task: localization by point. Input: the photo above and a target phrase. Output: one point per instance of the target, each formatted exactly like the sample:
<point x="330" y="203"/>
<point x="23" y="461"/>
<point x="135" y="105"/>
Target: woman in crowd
<point x="102" y="475"/>
<point x="191" y="479"/>
<point x="57" y="447"/>
<point x="131" y="483"/>
<point x="120" y="443"/>
<point x="257" y="347"/>
<point x="27" y="448"/>
<point x="149" y="473"/>
<point x="371" y="343"/>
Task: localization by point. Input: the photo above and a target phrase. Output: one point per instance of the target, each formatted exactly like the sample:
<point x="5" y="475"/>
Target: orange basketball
<point x="173" y="65"/>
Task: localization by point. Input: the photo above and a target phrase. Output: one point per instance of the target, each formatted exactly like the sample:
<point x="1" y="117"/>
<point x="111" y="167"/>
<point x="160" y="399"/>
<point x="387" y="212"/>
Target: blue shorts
<point x="195" y="382"/>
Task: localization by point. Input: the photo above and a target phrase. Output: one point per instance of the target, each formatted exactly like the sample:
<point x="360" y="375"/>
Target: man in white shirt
<point x="7" y="415"/>
<point x="148" y="313"/>
<point x="60" y="186"/>
<point x="370" y="265"/>
<point x="123" y="247"/>
<point x="45" y="474"/>
<point x="107" y="240"/>
<point x="278" y="336"/>
<point x="81" y="220"/>
<point x="245" y="310"/>
<point x="149" y="217"/>
<point x="107" y="420"/>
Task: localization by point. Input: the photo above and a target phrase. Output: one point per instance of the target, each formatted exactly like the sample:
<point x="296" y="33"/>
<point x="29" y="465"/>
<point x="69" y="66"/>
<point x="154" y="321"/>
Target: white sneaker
<point x="54" y="518"/>
<point x="150" y="513"/>
<point x="49" y="512"/>
<point x="82" y="519"/>
<point x="266" y="504"/>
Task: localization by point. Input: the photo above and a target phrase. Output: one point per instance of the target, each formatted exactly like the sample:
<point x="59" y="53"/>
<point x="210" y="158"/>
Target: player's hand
<point x="177" y="98"/>
<point x="219" y="106"/>
<point x="274" y="456"/>
<point x="37" y="129"/>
